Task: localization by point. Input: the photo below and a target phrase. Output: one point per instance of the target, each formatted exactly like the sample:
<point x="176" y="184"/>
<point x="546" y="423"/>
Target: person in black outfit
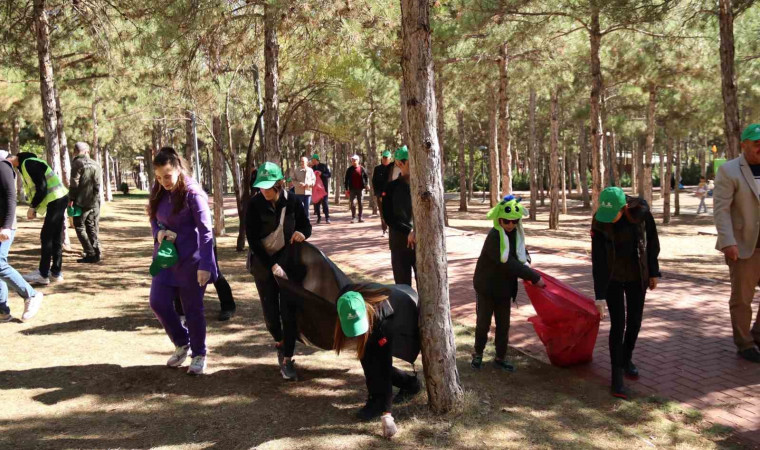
<point x="624" y="251"/>
<point x="503" y="259"/>
<point x="368" y="313"/>
<point x="397" y="210"/>
<point x="355" y="182"/>
<point x="324" y="174"/>
<point x="380" y="176"/>
<point x="223" y="290"/>
<point x="275" y="220"/>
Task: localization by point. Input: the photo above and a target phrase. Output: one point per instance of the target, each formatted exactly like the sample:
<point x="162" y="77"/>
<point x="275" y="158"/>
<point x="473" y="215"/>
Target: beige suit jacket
<point x="736" y="207"/>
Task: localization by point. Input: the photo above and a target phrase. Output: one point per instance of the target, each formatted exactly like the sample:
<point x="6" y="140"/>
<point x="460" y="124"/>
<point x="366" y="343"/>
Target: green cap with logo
<point x="352" y="313"/>
<point x="74" y="211"/>
<point x="402" y="154"/>
<point x="751" y="133"/>
<point x="315" y="156"/>
<point x="611" y="201"/>
<point x="268" y="174"/>
<point x="165" y="257"/>
<point x="387" y="154"/>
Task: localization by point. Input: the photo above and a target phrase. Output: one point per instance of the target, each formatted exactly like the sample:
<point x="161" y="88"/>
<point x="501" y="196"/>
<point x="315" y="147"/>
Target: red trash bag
<point x="318" y="192"/>
<point x="567" y="322"/>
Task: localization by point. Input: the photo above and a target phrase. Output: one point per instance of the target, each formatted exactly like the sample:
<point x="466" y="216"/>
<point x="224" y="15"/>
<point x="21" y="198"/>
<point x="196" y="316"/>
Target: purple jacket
<point x="195" y="238"/>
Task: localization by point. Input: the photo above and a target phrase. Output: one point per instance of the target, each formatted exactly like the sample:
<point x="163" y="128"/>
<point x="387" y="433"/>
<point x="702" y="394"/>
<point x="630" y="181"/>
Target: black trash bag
<point x="314" y="284"/>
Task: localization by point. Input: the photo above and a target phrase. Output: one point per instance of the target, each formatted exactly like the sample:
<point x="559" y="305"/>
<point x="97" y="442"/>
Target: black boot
<point x="371" y="410"/>
<point x="406" y="393"/>
<point x="631" y="371"/>
<point x="618" y="389"/>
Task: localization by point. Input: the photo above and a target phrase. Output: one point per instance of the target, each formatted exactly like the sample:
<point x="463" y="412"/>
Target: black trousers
<point x="379" y="373"/>
<point x="325" y="207"/>
<point x="403" y="258"/>
<point x="356" y="194"/>
<point x="485" y="307"/>
<point x="279" y="317"/>
<point x="51" y="251"/>
<point x="87" y="227"/>
<point x="625" y="302"/>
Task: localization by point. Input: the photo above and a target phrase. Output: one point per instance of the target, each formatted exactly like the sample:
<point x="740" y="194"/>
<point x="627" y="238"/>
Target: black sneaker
<point x="361" y="220"/>
<point x="327" y="221"/>
<point x="288" y="370"/>
<point x="477" y="362"/>
<point x="618" y="389"/>
<point x="319" y="220"/>
<point x="89" y="259"/>
<point x="631" y="371"/>
<point x="226" y="314"/>
<point x="750" y="354"/>
<point x="407" y="393"/>
<point x="503" y="365"/>
<point x="371" y="410"/>
<point x="5" y="317"/>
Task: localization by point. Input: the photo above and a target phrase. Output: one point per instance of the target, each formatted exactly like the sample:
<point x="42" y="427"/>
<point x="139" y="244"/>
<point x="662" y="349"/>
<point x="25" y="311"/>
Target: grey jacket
<point x="84" y="186"/>
<point x="737" y="207"/>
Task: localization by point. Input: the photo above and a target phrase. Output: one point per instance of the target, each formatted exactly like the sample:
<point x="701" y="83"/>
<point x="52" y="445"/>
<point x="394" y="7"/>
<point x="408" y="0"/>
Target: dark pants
<point x="51" y="237"/>
<point x="487" y="306"/>
<point x="383" y="225"/>
<point x="279" y="317"/>
<point x="305" y="201"/>
<point x="403" y="258"/>
<point x="380" y="375"/>
<point x="625" y="319"/>
<point x="326" y="208"/>
<point x="87" y="226"/>
<point x="356" y="194"/>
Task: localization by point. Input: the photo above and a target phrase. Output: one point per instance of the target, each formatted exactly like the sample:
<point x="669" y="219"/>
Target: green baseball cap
<point x="611" y="201"/>
<point x="165" y="257"/>
<point x="387" y="154"/>
<point x="315" y="156"/>
<point x="352" y="313"/>
<point x="751" y="133"/>
<point x="74" y="211"/>
<point x="268" y="174"/>
<point x="402" y="154"/>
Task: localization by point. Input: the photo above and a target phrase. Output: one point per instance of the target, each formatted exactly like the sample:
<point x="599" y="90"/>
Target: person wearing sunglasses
<point x="502" y="261"/>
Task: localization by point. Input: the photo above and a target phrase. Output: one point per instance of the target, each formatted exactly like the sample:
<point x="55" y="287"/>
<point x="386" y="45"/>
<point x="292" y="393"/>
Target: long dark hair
<point x="167" y="155"/>
<point x="372" y="296"/>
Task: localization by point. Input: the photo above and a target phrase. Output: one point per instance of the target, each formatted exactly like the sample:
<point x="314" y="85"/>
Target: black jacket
<point x="380" y="175"/>
<point x="36" y="171"/>
<point x="495" y="278"/>
<point x="7" y="196"/>
<point x="347" y="178"/>
<point x="262" y="218"/>
<point x="324" y="174"/>
<point x="84" y="186"/>
<point x="644" y="229"/>
<point x="397" y="206"/>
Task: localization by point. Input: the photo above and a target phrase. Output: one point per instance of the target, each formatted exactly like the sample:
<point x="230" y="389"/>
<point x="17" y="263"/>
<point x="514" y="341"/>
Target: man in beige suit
<point x="737" y="218"/>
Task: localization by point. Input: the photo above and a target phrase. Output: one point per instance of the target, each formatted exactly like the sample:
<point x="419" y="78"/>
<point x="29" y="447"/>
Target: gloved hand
<point x="389" y="426"/>
<point x="601" y="306"/>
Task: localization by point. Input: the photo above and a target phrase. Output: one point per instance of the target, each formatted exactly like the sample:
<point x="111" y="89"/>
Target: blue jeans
<point x="10" y="277"/>
<point x="305" y="202"/>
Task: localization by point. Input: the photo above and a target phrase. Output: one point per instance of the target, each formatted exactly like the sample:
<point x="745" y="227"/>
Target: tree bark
<point x="533" y="159"/>
<point x="665" y="182"/>
<point x="96" y="147"/>
<point x="554" y="169"/>
<point x="218" y="166"/>
<point x="505" y="138"/>
<point x="271" y="83"/>
<point x="374" y="153"/>
<point x="471" y="177"/>
<point x="597" y="86"/>
<point x="677" y="161"/>
<point x="404" y="114"/>
<point x="47" y="85"/>
<point x="437" y="334"/>
<point x="462" y="180"/>
<point x="647" y="174"/>
<point x="731" y="128"/>
<point x="565" y="175"/>
<point x="439" y="98"/>
<point x="189" y="149"/>
<point x="108" y="191"/>
<point x="15" y="147"/>
<point x="493" y="152"/>
<point x="583" y="166"/>
<point x="63" y="142"/>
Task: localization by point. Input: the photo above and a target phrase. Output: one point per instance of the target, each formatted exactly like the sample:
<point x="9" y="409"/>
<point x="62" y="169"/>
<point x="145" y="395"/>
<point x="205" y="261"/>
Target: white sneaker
<point x="31" y="306"/>
<point x="179" y="356"/>
<point x="56" y="278"/>
<point x="34" y="278"/>
<point x="197" y="365"/>
<point x="389" y="426"/>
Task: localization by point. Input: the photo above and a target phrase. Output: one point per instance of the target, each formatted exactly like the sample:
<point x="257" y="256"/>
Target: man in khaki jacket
<point x="737" y="219"/>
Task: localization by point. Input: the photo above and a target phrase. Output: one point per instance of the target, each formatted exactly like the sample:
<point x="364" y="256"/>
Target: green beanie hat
<point x="267" y="175"/>
<point x="315" y="156"/>
<point x="402" y="154"/>
<point x="611" y="201"/>
<point x="352" y="312"/>
<point x="165" y="257"/>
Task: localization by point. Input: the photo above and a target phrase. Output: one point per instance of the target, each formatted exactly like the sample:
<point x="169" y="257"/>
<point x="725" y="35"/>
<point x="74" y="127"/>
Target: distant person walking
<point x="355" y="182"/>
<point x="304" y="181"/>
<point x="324" y="174"/>
<point x="381" y="175"/>
<point x="84" y="192"/>
<point x="397" y="210"/>
<point x="9" y="277"/>
<point x="701" y="194"/>
<point x="736" y="209"/>
<point x="179" y="213"/>
<point x="47" y="197"/>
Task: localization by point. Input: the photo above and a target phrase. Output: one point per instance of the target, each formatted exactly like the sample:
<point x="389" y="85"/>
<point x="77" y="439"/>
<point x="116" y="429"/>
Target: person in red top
<point x="356" y="181"/>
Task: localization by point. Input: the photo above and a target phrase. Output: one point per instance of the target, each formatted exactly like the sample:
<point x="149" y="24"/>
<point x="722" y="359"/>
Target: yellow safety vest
<point x="55" y="189"/>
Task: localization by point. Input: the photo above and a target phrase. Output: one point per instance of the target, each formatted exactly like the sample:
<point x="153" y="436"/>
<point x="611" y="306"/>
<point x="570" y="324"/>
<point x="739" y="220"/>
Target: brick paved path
<point x="685" y="351"/>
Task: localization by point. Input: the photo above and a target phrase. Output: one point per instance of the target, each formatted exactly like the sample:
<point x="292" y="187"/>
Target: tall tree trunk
<point x="338" y="172"/>
<point x="703" y="161"/>
<point x="533" y="159"/>
<point x="665" y="182"/>
<point x="541" y="170"/>
<point x="96" y="147"/>
<point x="554" y="169"/>
<point x="583" y="166"/>
<point x="597" y="86"/>
<point x="634" y="166"/>
<point x="505" y="138"/>
<point x="107" y="175"/>
<point x="189" y="149"/>
<point x="373" y="152"/>
<point x="271" y="82"/>
<point x="565" y="175"/>
<point x="404" y="114"/>
<point x="616" y="164"/>
<point x="462" y="180"/>
<point x="63" y="142"/>
<point x="640" y="166"/>
<point x="437" y="334"/>
<point x="471" y="177"/>
<point x="370" y="169"/>
<point x="677" y="161"/>
<point x="47" y="85"/>
<point x="493" y="159"/>
<point x="647" y="175"/>
<point x="439" y="98"/>
<point x="233" y="163"/>
<point x="15" y="147"/>
<point x="218" y="165"/>
<point x="732" y="128"/>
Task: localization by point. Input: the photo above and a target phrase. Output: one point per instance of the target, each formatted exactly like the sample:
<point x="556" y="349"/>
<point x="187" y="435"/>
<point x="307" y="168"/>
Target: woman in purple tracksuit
<point x="179" y="212"/>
